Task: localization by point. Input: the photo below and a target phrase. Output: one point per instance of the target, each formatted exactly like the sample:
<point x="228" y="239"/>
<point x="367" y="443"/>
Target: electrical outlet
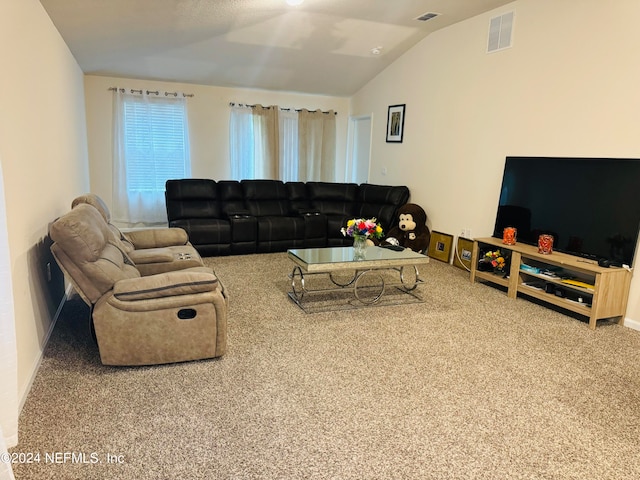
<point x="48" y="271"/>
<point x="466" y="233"/>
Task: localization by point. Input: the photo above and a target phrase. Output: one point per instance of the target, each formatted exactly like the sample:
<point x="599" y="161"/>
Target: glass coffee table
<point x="342" y="281"/>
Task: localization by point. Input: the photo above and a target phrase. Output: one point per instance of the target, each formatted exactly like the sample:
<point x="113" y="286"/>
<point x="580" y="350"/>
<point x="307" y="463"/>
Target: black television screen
<point x="591" y="206"/>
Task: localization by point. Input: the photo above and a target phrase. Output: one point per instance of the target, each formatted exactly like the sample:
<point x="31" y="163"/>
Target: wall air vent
<point x="427" y="16"/>
<point x="500" y="32"/>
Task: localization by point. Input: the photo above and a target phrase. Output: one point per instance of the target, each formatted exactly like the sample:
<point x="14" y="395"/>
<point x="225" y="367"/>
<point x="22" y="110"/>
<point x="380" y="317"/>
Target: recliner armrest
<point x="151" y="255"/>
<point x="157" y="237"/>
<point x="164" y="285"/>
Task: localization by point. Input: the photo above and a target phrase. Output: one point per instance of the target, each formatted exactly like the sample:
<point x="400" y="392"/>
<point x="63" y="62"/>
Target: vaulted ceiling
<point x="321" y="46"/>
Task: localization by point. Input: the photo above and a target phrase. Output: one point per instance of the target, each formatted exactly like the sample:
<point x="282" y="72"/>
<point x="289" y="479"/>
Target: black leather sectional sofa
<point x="230" y="217"/>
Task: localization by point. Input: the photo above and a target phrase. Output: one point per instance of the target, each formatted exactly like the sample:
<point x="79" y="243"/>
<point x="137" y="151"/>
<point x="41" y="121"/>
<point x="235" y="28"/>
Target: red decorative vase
<point x="545" y="244"/>
<point x="509" y="235"/>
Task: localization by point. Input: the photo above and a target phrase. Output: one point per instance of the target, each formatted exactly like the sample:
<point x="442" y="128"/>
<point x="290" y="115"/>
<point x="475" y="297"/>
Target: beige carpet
<point x="468" y="385"/>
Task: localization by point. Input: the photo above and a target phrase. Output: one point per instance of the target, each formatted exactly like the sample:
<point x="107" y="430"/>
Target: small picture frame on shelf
<point x="464" y="251"/>
<point x="395" y="123"/>
<point x="440" y="246"/>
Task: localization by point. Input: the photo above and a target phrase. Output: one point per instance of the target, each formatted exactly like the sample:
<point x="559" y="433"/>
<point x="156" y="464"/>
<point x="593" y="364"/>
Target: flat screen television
<point x="591" y="206"/>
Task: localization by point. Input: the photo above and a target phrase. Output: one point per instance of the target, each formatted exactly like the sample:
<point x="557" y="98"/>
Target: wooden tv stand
<point x="605" y="295"/>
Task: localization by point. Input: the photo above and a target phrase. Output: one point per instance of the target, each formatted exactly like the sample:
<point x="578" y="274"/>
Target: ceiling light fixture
<point x="294" y="3"/>
<point x="376" y="50"/>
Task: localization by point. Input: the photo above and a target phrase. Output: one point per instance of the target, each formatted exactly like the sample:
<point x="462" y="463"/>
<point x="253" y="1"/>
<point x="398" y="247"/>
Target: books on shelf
<point x="578" y="283"/>
<point x="528" y="268"/>
<point x="556" y="274"/>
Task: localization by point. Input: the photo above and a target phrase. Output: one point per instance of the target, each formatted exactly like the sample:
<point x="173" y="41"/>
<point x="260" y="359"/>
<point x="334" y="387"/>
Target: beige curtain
<point x="317" y="145"/>
<point x="266" y="130"/>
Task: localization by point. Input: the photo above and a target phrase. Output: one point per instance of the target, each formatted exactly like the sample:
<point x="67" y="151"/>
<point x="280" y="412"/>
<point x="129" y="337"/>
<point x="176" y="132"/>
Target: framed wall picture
<point x="395" y="123"/>
<point x="440" y="246"/>
<point x="464" y="250"/>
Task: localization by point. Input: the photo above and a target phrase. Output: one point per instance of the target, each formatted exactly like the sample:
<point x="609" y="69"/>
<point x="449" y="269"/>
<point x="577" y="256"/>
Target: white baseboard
<point x="634" y="324"/>
<point x="22" y="395"/>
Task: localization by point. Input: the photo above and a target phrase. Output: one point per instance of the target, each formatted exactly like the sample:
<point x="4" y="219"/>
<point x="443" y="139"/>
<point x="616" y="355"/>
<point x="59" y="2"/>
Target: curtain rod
<point x="233" y="104"/>
<point x="152" y="92"/>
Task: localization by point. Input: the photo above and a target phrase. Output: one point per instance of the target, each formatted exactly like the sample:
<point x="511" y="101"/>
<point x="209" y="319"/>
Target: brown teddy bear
<point x="412" y="231"/>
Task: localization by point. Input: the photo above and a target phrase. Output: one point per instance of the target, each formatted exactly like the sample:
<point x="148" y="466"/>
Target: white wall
<point x="44" y="160"/>
<point x="567" y="87"/>
<point x="208" y="124"/>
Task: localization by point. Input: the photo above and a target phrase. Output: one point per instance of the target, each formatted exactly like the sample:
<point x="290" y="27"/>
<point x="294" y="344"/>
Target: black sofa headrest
<point x="191" y="189"/>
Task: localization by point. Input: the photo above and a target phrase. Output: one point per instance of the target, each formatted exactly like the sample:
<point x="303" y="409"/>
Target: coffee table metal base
<point x="359" y="289"/>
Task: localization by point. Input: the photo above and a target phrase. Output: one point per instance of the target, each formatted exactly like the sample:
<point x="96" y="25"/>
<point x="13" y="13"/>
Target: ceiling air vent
<point x="427" y="16"/>
<point x="500" y="31"/>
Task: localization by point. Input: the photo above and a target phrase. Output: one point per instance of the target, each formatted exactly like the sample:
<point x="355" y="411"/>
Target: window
<point x="154" y="144"/>
<point x="289" y="146"/>
<point x="151" y="147"/>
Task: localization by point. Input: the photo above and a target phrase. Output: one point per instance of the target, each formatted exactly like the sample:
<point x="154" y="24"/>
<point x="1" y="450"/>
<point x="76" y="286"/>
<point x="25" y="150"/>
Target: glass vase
<point x="509" y="235"/>
<point x="545" y="244"/>
<point x="359" y="247"/>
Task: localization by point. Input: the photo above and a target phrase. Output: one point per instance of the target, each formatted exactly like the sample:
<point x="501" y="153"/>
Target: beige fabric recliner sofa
<point x="153" y="250"/>
<point x="139" y="319"/>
